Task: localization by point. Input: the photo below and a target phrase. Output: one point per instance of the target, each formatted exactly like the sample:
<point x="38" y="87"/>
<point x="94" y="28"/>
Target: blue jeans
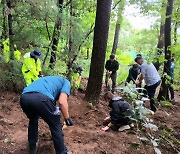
<point x="35" y="105"/>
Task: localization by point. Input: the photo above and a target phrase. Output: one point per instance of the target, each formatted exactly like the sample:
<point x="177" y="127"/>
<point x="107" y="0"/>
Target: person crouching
<point x="120" y="114"/>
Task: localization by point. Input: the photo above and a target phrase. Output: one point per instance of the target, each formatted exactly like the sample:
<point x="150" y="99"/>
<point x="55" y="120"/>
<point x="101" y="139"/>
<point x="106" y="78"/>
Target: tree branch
<point x="87" y="35"/>
<point x="115" y="5"/>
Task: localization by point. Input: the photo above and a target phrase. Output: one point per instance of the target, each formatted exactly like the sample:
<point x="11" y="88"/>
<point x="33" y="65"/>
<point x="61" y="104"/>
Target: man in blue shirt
<point x="39" y="99"/>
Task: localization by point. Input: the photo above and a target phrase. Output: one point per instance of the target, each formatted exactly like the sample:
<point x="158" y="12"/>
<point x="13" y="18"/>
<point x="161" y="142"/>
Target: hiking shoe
<point x="125" y="127"/>
<point x="173" y="100"/>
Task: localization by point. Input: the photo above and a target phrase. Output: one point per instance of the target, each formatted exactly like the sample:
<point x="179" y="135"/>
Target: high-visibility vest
<point x="76" y="80"/>
<point x="17" y="55"/>
<point x="31" y="68"/>
<point x="6" y="50"/>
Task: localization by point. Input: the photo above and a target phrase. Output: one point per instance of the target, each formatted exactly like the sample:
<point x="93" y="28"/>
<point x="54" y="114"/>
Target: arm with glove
<point x="64" y="108"/>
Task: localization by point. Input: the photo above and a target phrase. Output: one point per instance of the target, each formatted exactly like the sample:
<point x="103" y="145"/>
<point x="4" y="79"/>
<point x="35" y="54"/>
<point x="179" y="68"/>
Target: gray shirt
<point x="150" y="73"/>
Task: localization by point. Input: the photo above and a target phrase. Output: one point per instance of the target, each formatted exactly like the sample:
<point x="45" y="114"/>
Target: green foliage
<point x="141" y="119"/>
<point x="11" y="77"/>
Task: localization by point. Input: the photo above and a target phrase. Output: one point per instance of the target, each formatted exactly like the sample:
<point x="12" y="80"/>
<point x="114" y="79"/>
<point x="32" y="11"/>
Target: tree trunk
<point x="116" y="38"/>
<point x="164" y="87"/>
<point x="5" y="29"/>
<point x="71" y="58"/>
<point x="99" y="50"/>
<point x="87" y="54"/>
<point x="160" y="46"/>
<point x="118" y="23"/>
<point x="56" y="34"/>
<point x="10" y="25"/>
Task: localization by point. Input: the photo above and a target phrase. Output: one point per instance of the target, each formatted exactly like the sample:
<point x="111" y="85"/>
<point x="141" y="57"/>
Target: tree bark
<point x="10" y="25"/>
<point x="163" y="94"/>
<point x="160" y="46"/>
<point x="5" y="29"/>
<point x="118" y="25"/>
<point x="56" y="34"/>
<point x="99" y="50"/>
<point x="116" y="38"/>
<point x="71" y="57"/>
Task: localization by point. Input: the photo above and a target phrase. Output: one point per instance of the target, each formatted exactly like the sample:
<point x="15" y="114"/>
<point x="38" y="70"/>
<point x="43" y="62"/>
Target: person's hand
<point x="137" y="82"/>
<point x="69" y="122"/>
<point x="107" y="118"/>
<point x="104" y="129"/>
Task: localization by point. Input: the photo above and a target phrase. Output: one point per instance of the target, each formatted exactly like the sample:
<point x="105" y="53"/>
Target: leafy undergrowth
<point x="85" y="136"/>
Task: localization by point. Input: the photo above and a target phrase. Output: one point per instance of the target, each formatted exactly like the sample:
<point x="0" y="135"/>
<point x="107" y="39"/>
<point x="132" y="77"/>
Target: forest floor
<point x="85" y="136"/>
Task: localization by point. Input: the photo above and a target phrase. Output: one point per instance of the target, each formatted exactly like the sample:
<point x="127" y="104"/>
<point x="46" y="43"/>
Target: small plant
<point x="141" y="119"/>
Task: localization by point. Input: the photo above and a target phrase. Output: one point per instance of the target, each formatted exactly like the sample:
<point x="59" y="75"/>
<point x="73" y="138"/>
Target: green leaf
<point x="166" y="103"/>
<point x="150" y="126"/>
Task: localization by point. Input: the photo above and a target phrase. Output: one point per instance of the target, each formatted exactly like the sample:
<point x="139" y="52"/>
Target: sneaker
<point x="125" y="127"/>
<point x="172" y="100"/>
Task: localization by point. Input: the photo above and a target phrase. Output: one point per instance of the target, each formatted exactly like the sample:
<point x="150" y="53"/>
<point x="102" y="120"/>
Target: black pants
<point x="151" y="92"/>
<point x="171" y="89"/>
<point x="35" y="105"/>
<point x="113" y="78"/>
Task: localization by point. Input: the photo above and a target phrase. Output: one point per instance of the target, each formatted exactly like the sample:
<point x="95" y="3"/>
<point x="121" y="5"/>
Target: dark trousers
<point x="171" y="89"/>
<point x="113" y="78"/>
<point x="35" y="105"/>
<point x="151" y="92"/>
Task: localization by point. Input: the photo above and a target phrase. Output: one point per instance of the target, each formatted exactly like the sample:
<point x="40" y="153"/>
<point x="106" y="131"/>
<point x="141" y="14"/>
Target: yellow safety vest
<point x="6" y="50"/>
<point x="17" y="55"/>
<point x="76" y="80"/>
<point x="31" y="69"/>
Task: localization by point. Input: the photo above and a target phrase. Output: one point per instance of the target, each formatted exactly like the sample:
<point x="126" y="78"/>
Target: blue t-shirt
<point x="50" y="86"/>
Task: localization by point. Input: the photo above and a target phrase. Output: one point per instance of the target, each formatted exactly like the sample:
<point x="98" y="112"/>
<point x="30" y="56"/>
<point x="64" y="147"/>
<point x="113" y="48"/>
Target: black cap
<point x="36" y="53"/>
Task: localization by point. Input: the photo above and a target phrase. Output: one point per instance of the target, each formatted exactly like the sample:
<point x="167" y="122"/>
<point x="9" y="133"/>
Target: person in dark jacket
<point x="111" y="66"/>
<point x="134" y="71"/>
<point x="120" y="113"/>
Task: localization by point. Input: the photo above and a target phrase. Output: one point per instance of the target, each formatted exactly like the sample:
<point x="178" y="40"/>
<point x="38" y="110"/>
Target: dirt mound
<point x="84" y="137"/>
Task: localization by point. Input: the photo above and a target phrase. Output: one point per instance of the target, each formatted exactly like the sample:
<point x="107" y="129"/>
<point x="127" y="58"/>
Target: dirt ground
<point x="85" y="136"/>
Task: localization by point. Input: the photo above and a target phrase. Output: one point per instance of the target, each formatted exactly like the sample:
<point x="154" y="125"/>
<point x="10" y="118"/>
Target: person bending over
<point x="120" y="113"/>
<point x="39" y="100"/>
<point x="151" y="77"/>
<point x="134" y="71"/>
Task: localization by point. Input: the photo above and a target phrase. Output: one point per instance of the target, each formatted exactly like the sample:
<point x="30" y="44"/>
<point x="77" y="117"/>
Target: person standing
<point x="151" y="77"/>
<point x="170" y="86"/>
<point x="39" y="99"/>
<point x="111" y="66"/>
<point x="134" y="71"/>
<point x="31" y="68"/>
